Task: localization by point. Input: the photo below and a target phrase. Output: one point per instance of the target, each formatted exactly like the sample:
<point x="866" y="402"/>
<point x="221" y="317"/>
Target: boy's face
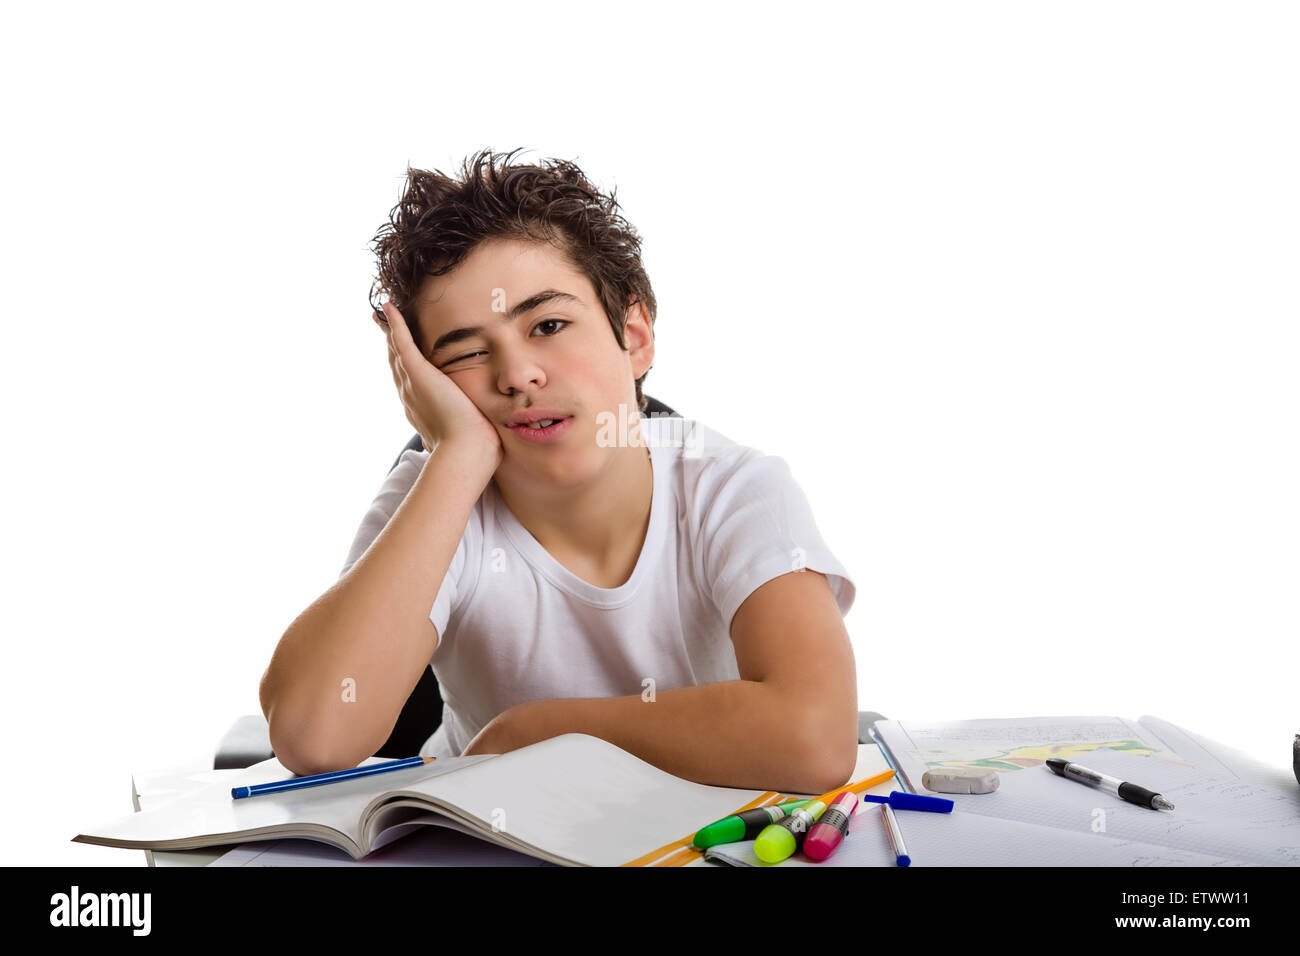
<point x="559" y="356"/>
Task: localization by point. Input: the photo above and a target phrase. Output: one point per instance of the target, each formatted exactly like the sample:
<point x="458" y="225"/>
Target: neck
<point x="601" y="520"/>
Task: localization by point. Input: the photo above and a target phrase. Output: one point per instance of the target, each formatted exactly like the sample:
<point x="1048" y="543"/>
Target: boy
<point x="646" y="581"/>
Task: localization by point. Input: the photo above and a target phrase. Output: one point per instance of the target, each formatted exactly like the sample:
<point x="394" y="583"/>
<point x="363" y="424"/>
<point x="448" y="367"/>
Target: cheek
<point x="472" y="381"/>
<point x="606" y="366"/>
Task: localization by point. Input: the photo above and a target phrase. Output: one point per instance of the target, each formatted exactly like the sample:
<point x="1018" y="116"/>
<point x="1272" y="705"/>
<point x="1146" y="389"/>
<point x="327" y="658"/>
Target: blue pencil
<point x="316" y="779"/>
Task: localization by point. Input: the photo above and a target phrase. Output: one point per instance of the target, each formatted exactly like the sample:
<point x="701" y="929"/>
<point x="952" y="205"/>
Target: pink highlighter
<point x="824" y="836"/>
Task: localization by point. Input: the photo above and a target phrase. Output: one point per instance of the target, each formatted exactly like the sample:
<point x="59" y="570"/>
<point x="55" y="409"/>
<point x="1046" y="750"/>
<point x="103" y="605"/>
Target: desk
<point x="1191" y="767"/>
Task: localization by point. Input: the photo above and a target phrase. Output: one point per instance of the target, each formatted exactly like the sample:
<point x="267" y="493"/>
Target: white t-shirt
<point x="515" y="625"/>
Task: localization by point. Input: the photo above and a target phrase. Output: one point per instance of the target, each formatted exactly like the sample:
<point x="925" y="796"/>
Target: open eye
<point x="562" y="322"/>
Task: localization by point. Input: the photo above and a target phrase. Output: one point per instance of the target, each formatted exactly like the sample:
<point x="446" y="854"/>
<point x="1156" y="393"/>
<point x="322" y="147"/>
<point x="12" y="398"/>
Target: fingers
<point x="402" y="352"/>
<point x="393" y="363"/>
<point x="400" y="378"/>
<point x="398" y="333"/>
<point x="392" y="367"/>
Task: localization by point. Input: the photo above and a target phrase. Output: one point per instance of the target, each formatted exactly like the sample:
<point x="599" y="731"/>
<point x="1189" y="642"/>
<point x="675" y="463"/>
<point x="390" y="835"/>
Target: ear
<point x="638" y="333"/>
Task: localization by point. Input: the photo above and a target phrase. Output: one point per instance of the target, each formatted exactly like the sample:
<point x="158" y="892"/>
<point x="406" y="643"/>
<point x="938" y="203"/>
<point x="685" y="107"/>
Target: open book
<point x="574" y="800"/>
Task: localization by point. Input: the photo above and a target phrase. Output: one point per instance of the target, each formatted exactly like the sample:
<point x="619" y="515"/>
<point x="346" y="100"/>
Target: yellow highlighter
<point x="778" y="841"/>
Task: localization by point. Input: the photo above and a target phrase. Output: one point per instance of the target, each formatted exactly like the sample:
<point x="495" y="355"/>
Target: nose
<point x="519" y="371"/>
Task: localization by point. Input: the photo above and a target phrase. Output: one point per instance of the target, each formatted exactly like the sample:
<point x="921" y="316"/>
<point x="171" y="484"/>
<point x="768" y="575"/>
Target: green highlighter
<point x="744" y="826"/>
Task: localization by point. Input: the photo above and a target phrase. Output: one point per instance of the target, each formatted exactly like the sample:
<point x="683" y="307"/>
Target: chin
<point x="566" y="470"/>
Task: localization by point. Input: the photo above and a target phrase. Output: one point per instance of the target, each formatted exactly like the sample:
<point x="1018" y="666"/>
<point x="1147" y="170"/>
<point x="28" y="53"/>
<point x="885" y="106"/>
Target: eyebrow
<point x="527" y="305"/>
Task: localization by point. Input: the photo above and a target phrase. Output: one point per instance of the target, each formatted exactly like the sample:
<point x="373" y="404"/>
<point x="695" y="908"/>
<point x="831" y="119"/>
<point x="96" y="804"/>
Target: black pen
<point x="1125" y="791"/>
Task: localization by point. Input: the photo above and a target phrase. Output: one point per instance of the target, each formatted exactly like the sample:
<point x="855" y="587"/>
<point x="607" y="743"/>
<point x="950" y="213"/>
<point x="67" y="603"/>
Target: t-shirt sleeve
<point x="758" y="526"/>
<point x="392" y="493"/>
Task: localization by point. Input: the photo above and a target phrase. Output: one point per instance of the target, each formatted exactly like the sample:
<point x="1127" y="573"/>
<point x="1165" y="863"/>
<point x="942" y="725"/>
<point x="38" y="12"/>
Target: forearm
<point x="738" y="733"/>
<point x="347" y="664"/>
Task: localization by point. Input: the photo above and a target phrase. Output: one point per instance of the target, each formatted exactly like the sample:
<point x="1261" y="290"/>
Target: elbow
<point x="293" y="749"/>
<point x="301" y="758"/>
<point x="831" y="774"/>
<point x="300" y="764"/>
<point x="816" y="741"/>
<point x="264" y="694"/>
<point x="831" y="749"/>
<point x="308" y="766"/>
<point x="306" y="747"/>
<point x="836" y="773"/>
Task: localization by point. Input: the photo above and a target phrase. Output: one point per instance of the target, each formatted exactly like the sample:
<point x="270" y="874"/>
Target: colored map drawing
<point x="1022" y="757"/>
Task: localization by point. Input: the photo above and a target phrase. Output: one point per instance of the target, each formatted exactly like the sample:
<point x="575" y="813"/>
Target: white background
<point x="1011" y="286"/>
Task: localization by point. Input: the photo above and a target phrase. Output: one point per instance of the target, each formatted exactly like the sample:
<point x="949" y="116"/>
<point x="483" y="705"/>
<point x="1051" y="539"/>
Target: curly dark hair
<point x="440" y="219"/>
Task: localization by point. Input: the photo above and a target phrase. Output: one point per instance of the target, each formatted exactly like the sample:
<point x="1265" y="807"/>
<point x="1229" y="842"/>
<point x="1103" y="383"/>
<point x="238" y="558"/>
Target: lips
<point x="535" y="415"/>
<point x="544" y="434"/>
<point x="538" y="423"/>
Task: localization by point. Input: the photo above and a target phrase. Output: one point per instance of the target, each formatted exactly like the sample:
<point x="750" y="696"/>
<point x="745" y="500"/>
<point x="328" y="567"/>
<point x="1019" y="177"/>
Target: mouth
<point x="541" y="431"/>
<point x="539" y="422"/>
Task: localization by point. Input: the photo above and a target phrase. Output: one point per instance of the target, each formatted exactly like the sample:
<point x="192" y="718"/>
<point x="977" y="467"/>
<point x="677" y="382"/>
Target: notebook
<point x="1228" y="810"/>
<point x="573" y="800"/>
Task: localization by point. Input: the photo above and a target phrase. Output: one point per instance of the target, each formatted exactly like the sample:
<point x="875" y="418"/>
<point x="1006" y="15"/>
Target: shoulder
<point x="725" y="490"/>
<point x="698" y="452"/>
<point x="710" y="469"/>
<point x="747" y="517"/>
<point x="408" y="468"/>
<point x="399" y="480"/>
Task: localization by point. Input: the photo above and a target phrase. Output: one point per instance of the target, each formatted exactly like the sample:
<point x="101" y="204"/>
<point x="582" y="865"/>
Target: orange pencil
<point x="858" y="787"/>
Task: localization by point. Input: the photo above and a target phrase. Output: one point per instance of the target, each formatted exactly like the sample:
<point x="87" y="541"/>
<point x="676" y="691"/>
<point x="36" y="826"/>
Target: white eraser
<point x="960" y="780"/>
